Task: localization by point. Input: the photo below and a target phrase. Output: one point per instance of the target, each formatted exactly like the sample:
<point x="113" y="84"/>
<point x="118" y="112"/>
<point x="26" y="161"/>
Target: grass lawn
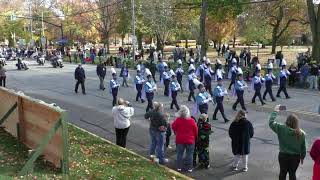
<point x="90" y="158"/>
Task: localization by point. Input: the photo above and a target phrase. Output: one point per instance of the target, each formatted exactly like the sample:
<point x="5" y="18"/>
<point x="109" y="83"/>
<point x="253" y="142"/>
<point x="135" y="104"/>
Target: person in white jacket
<point x="121" y="115"/>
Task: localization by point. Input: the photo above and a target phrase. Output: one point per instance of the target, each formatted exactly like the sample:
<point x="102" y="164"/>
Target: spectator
<point x="315" y="155"/>
<point x="157" y="131"/>
<point x="313" y="79"/>
<point x="292" y="77"/>
<point x="292" y="144"/>
<point x="186" y="132"/>
<point x="121" y="116"/>
<point x="305" y="70"/>
<point x="202" y="142"/>
<point x="240" y="132"/>
<point x="2" y="76"/>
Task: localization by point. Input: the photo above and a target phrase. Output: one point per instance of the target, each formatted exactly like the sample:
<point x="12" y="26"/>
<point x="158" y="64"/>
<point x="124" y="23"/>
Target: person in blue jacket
<point x="257" y="81"/>
<point x="240" y="86"/>
<point x="149" y="88"/>
<point x="139" y="80"/>
<point x="202" y="99"/>
<point x="179" y="73"/>
<point x="114" y="87"/>
<point x="218" y="93"/>
<point x="269" y="78"/>
<point x="174" y="88"/>
<point x="284" y="73"/>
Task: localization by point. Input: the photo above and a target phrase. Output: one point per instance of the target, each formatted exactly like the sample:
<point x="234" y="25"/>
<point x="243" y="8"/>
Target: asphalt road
<point x="93" y="113"/>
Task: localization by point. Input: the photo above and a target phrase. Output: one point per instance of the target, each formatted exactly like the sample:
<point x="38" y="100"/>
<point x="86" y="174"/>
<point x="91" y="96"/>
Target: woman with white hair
<point x="121" y="115"/>
<point x="186" y="132"/>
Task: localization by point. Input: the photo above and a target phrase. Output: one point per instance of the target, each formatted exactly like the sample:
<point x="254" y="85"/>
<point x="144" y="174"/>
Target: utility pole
<point x="133" y="39"/>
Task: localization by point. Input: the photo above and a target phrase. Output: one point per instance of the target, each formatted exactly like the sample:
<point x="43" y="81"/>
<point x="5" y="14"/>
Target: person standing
<point x="166" y="80"/>
<point x="292" y="143"/>
<point x="157" y="132"/>
<point x="208" y="74"/>
<point x="269" y="78"/>
<point x="192" y="86"/>
<point x="174" y="88"/>
<point x="179" y="73"/>
<point x="80" y="76"/>
<point x="139" y="80"/>
<point x="284" y="73"/>
<point x="149" y="88"/>
<point x="2" y="76"/>
<point x="160" y="68"/>
<point x="314" y="74"/>
<point x="124" y="73"/>
<point x="101" y="72"/>
<point x="240" y="132"/>
<point x="218" y="94"/>
<point x="239" y="88"/>
<point x="315" y="155"/>
<point x="202" y="142"/>
<point x="201" y="68"/>
<point x="292" y="77"/>
<point x="203" y="98"/>
<point x="121" y="115"/>
<point x="257" y="84"/>
<point x="186" y="131"/>
<point x="114" y="86"/>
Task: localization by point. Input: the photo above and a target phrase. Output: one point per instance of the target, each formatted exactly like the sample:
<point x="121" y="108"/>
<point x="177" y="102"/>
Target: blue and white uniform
<point x="174" y="88"/>
<point x="192" y="86"/>
<point x="166" y="80"/>
<point x="139" y="80"/>
<point x="114" y="88"/>
<point x="218" y="93"/>
<point x="179" y="74"/>
<point x="239" y="87"/>
<point x="257" y="83"/>
<point x="202" y="100"/>
<point x="268" y="82"/>
<point x="149" y="88"/>
<point x="283" y="76"/>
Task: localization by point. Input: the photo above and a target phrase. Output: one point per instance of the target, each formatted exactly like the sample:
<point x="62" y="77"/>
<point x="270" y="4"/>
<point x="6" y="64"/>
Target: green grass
<point x="90" y="158"/>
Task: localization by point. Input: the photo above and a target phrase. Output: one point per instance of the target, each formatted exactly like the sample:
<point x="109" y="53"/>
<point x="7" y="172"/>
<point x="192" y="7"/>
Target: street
<point x="93" y="113"/>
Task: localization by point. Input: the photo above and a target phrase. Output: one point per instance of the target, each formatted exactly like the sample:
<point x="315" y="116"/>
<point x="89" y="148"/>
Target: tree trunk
<point x="186" y="44"/>
<point x="202" y="37"/>
<point x="315" y="29"/>
<point x="159" y="44"/>
<point x="274" y="41"/>
<point x="107" y="41"/>
<point x="139" y="39"/>
<point x="234" y="41"/>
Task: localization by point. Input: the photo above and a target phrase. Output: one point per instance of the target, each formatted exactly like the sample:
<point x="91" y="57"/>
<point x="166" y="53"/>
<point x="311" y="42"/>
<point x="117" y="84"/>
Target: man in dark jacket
<point x="101" y="72"/>
<point x="80" y="76"/>
<point x="314" y="74"/>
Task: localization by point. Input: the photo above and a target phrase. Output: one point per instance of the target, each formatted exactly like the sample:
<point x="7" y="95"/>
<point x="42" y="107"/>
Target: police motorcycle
<point x="56" y="61"/>
<point x="22" y="65"/>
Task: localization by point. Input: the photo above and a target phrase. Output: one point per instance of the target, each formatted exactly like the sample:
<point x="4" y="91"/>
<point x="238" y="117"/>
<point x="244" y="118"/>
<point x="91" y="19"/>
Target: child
<point x="202" y="143"/>
<point x="168" y="131"/>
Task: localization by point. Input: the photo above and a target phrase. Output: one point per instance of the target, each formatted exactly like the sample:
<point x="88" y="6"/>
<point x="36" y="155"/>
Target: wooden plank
<point x="65" y="159"/>
<point x="10" y="111"/>
<point x="40" y="148"/>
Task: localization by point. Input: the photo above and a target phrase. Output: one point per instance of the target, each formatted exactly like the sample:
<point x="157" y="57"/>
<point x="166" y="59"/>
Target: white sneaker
<point x="152" y="156"/>
<point x="189" y="170"/>
<point x="166" y="160"/>
<point x="245" y="169"/>
<point x="235" y="168"/>
<point x="169" y="147"/>
<point x="179" y="170"/>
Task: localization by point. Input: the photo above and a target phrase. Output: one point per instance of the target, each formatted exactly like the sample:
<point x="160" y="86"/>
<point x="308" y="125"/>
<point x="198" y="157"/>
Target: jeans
<point x="157" y="144"/>
<point x="189" y="148"/>
<point x="288" y="164"/>
<point x="125" y="81"/>
<point x="3" y="81"/>
<point x="313" y="81"/>
<point x="121" y="135"/>
<point x="101" y="86"/>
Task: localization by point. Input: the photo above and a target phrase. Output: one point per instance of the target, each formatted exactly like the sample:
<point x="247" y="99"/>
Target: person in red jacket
<point x="186" y="132"/>
<point x="315" y="155"/>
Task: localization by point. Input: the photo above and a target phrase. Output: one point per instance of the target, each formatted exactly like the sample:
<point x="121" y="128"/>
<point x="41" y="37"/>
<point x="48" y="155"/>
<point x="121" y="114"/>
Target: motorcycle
<point x="22" y="65"/>
<point x="56" y="61"/>
<point x="41" y="60"/>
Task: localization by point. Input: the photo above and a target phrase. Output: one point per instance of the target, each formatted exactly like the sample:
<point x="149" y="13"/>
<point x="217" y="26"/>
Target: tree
<point x="314" y="17"/>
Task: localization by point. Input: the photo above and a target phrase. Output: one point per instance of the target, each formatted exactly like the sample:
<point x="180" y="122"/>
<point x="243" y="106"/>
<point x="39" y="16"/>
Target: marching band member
<point x="192" y="86"/>
<point x="175" y="88"/>
<point x="284" y="73"/>
<point x="218" y="94"/>
<point x="257" y="84"/>
<point x="269" y="78"/>
<point x="160" y="67"/>
<point x="114" y="86"/>
<point x="203" y="97"/>
<point x="239" y="87"/>
<point x="208" y="73"/>
<point x="219" y="70"/>
<point x="139" y="80"/>
<point x="166" y="79"/>
<point x="233" y="73"/>
<point x="201" y="69"/>
<point x="179" y="73"/>
<point x="149" y="88"/>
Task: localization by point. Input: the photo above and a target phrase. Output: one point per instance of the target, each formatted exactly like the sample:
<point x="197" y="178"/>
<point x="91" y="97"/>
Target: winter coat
<point x="157" y="119"/>
<point x="79" y="74"/>
<point x="101" y="71"/>
<point x="186" y="130"/>
<point x="121" y="116"/>
<point x="240" y="133"/>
